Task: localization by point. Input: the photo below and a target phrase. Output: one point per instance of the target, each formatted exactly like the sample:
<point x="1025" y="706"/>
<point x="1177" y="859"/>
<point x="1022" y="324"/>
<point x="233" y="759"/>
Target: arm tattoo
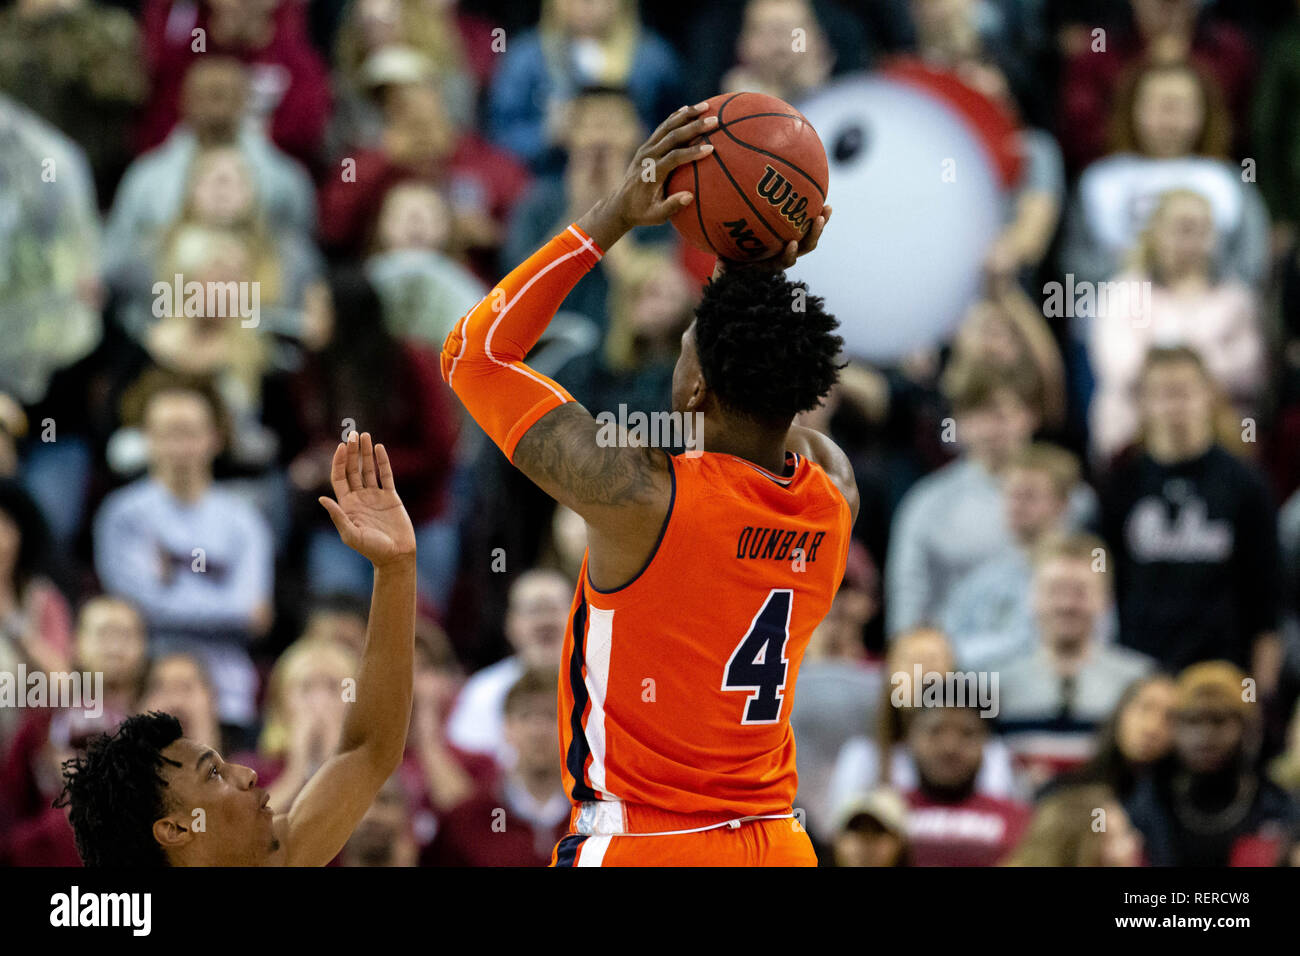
<point x="560" y="452"/>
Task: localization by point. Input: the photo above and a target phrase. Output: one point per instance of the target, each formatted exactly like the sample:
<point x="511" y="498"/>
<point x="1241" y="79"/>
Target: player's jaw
<point x="217" y="814"/>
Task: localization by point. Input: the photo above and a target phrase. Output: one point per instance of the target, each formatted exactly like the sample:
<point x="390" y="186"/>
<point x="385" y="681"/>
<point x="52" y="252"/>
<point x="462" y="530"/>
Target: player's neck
<point x="763" y="447"/>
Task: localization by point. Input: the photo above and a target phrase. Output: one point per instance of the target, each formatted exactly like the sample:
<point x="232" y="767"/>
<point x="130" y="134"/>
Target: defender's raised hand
<point x="368" y="514"/>
<point x="639" y="199"/>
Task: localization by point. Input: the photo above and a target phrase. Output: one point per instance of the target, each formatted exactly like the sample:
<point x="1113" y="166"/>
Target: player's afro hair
<point x="767" y="348"/>
<point x="115" y="792"/>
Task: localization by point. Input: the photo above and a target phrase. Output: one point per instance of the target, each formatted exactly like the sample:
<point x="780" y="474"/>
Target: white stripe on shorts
<point x="592" y="851"/>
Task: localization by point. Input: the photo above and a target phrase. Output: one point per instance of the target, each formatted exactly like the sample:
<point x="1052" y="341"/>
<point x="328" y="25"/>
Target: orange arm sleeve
<point x="483" y="357"/>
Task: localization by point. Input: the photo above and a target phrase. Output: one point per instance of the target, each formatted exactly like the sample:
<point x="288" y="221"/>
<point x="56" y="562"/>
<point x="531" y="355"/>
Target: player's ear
<point x="171" y="834"/>
<point x="699" y="391"/>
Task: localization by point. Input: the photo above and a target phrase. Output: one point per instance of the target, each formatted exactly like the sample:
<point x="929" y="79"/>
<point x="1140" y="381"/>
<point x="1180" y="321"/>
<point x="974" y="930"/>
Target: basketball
<point x="763" y="185"/>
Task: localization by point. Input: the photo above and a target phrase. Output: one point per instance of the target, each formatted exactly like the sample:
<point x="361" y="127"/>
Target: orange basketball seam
<point x="699" y="212"/>
<point x="749" y="116"/>
<point x="723" y="127"/>
<point x="745" y="199"/>
<point x="781" y="159"/>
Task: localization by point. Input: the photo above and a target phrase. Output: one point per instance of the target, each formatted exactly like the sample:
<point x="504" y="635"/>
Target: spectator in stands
<point x="962" y="39"/>
<point x="950" y="522"/>
<point x="972" y="44"/>
<point x="568" y="544"/>
<point x="990" y="616"/>
<point x="1170" y="132"/>
<point x="178" y="684"/>
<point x="839" y="690"/>
<point x="193" y="557"/>
<point x="289" y="82"/>
<point x="1054" y="699"/>
<point x="35" y="621"/>
<point x="1162" y="33"/>
<point x="1284" y="770"/>
<point x="1081" y="825"/>
<point x="430" y="30"/>
<point x="520" y="822"/>
<point x="213" y="112"/>
<point x="949" y="822"/>
<point x="536" y="616"/>
<point x="307" y="697"/>
<point x="437" y="775"/>
<point x="424" y="290"/>
<point x="420" y="141"/>
<point x="1282" y="448"/>
<point x="781" y="51"/>
<point x="1275" y="137"/>
<point x="651" y="302"/>
<point x="111" y="642"/>
<point x="577" y="44"/>
<point x="871" y="830"/>
<point x="601" y="133"/>
<point x="220" y="196"/>
<point x="1172" y="296"/>
<point x="203" y="326"/>
<point x="87" y="58"/>
<point x="860" y="766"/>
<point x="1193" y="533"/>
<point x="1135" y="738"/>
<point x="1004" y="330"/>
<point x="49" y="257"/>
<point x="338" y="616"/>
<point x="727" y="35"/>
<point x="366" y="377"/>
<point x="385" y="836"/>
<point x="1209" y="804"/>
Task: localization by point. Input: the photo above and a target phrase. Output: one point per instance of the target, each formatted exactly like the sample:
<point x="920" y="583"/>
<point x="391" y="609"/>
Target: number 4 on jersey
<point x="758" y="664"/>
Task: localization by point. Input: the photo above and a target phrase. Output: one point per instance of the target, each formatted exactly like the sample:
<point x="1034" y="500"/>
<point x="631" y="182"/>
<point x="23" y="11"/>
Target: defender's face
<point x="217" y="803"/>
<point x="686" y="374"/>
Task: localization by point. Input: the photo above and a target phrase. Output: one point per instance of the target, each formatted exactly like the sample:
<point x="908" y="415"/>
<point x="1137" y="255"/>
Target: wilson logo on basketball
<point x="776" y="189"/>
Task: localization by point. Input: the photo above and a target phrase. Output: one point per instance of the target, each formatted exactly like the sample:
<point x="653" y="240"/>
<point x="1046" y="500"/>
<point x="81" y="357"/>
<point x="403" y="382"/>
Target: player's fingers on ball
<point x="675" y="118"/>
<point x="684" y="134"/>
<point x="368" y="461"/>
<point x="679" y="117"/>
<point x="679" y="157"/>
<point x="665" y="208"/>
<point x="815" y="230"/>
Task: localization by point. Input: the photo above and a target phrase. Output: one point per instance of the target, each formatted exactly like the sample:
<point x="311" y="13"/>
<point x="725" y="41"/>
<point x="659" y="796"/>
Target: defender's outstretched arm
<point x="372" y="521"/>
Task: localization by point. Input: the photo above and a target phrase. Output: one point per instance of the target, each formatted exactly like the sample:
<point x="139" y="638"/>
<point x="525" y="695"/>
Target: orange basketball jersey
<point x="676" y="689"/>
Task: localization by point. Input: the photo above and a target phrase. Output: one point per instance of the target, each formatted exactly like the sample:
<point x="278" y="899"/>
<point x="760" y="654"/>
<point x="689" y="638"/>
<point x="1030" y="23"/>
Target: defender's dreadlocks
<point x="116" y="792"/>
<point x="767" y="348"/>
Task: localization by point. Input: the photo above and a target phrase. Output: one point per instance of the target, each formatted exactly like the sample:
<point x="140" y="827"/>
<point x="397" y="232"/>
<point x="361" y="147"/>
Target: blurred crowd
<point x="1099" y="511"/>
